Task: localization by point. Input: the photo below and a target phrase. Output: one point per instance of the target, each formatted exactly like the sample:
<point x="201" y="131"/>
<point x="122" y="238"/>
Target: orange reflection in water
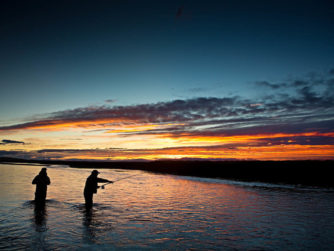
<point x="162" y="195"/>
<point x="160" y="212"/>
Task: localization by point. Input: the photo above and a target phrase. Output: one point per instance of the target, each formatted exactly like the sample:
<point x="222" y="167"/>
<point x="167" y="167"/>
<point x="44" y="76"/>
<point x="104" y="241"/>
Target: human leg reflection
<point x="89" y="229"/>
<point x="97" y="224"/>
<point x="40" y="217"/>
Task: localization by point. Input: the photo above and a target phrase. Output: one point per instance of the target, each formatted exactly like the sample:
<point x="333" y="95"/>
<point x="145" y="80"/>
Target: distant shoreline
<point x="305" y="173"/>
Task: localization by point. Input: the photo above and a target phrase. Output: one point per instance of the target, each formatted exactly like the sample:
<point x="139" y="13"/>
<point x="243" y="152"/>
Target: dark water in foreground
<point x="150" y="211"/>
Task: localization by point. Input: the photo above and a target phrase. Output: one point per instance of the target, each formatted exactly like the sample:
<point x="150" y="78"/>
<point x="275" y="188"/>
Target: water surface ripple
<point x="152" y="211"/>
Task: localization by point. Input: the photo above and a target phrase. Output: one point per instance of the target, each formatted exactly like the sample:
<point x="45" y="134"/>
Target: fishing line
<point x="118" y="180"/>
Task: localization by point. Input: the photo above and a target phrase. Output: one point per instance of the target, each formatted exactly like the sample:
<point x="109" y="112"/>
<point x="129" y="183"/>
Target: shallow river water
<point x="161" y="212"/>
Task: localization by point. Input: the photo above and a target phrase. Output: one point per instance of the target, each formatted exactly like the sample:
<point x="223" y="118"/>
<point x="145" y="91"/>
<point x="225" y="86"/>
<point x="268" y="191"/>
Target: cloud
<point x="280" y="148"/>
<point x="270" y="85"/>
<point x="198" y="89"/>
<point x="162" y="112"/>
<point x="299" y="83"/>
<point x="10" y="142"/>
<point x="331" y="71"/>
<point x="299" y="140"/>
<point x="296" y="120"/>
<point x="110" y="101"/>
<point x="223" y="113"/>
<point x="303" y="106"/>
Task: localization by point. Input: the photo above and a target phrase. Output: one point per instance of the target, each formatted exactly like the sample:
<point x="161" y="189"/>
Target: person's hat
<point x="43" y="171"/>
<point x="95" y="172"/>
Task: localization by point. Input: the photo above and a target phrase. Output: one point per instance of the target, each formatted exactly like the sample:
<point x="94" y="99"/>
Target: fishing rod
<point x="117" y="180"/>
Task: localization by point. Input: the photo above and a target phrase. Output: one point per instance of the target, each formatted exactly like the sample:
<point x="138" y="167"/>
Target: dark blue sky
<point x="59" y="55"/>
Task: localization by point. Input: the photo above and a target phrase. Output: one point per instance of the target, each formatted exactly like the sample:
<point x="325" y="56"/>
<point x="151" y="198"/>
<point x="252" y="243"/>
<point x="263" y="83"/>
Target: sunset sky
<point x="122" y="79"/>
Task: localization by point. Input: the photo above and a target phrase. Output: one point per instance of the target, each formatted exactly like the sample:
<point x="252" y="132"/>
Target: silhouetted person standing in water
<point x="41" y="181"/>
<point x="91" y="187"/>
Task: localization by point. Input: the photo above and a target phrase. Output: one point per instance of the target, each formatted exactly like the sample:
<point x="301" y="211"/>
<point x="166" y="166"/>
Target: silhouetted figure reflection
<point x="91" y="187"/>
<point x="41" y="181"/>
<point x="87" y="222"/>
<point x="40" y="217"/>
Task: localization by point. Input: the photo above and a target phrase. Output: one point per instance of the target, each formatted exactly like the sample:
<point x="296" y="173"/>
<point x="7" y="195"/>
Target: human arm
<point x="103" y="180"/>
<point x="34" y="181"/>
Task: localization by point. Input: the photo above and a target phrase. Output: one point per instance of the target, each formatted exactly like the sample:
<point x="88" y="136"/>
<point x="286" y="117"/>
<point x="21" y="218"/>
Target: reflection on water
<point x="40" y="215"/>
<point x="160" y="212"/>
<point x="40" y="225"/>
<point x="89" y="229"/>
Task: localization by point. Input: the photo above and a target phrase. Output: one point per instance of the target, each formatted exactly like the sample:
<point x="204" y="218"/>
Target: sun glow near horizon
<point x="153" y="142"/>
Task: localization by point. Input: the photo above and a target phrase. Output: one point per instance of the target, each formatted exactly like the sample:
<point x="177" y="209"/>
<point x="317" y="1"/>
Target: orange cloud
<point x="277" y="152"/>
<point x="195" y="128"/>
<point x="187" y="137"/>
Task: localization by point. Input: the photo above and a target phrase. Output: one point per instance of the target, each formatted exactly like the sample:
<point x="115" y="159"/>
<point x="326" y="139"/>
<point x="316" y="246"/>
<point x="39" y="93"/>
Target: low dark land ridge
<point x="309" y="172"/>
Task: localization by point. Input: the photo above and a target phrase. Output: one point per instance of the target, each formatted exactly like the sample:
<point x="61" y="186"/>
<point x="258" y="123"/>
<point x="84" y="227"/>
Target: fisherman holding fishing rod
<point x="91" y="187"/>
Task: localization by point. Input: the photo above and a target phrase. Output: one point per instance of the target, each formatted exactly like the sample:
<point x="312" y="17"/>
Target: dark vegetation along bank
<point x="310" y="173"/>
